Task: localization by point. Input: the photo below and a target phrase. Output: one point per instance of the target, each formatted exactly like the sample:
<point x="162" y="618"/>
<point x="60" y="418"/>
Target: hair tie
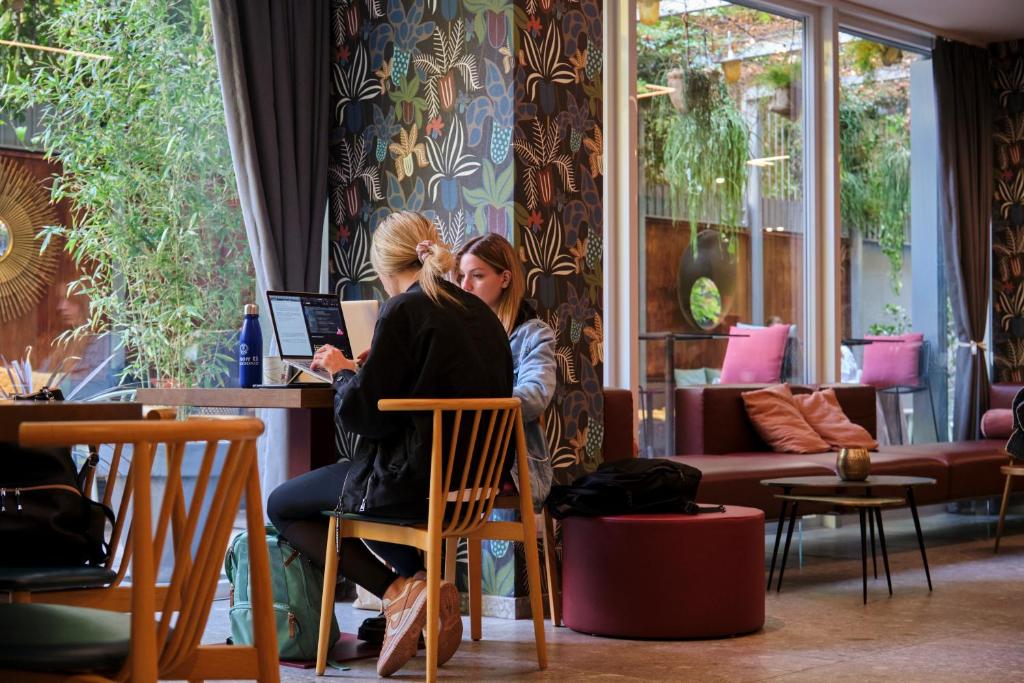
<point x="423" y="250"/>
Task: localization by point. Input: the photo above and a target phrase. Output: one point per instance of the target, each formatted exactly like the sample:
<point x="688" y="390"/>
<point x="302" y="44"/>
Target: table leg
<point x="778" y="537"/>
<point x="920" y="537"/>
<point x="863" y="554"/>
<point x="311" y="440"/>
<point x="885" y="553"/>
<point x="789" y="537"/>
<point x="871" y="540"/>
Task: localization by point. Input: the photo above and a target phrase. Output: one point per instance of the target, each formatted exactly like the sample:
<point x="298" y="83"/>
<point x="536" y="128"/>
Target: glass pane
<point x="892" y="282"/>
<point x="721" y="198"/>
<point x="154" y="266"/>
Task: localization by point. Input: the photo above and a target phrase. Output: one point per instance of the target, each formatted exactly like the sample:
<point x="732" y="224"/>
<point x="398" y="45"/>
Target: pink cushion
<point x="822" y="411"/>
<point x="757" y="358"/>
<point x="779" y="421"/>
<point x="997" y="423"/>
<point x="891" y="363"/>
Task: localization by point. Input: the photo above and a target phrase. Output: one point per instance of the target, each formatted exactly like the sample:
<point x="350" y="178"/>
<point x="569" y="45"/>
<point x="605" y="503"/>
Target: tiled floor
<point x="971" y="628"/>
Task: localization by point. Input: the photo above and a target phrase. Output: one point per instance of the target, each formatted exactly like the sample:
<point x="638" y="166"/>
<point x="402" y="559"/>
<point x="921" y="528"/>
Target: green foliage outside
<point x="157" y="229"/>
<point x="875" y="175"/>
<point x="896" y="321"/>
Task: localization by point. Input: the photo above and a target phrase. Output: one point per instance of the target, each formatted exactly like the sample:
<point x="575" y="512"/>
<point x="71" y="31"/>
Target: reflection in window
<point x="705" y="303"/>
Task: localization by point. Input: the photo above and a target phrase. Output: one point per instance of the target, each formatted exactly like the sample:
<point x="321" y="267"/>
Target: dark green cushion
<point x="34" y="579"/>
<point x="58" y="638"/>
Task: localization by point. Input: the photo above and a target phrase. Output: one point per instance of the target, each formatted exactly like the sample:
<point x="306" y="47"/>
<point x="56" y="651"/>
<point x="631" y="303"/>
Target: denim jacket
<point x="533" y="361"/>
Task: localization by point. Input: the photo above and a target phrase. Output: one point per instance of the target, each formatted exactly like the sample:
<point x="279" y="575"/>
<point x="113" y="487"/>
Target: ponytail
<point x="406" y="239"/>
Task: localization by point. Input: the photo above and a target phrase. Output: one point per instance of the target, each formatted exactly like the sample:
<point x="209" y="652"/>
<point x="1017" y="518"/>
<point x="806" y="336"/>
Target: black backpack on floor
<point x="637" y="486"/>
<point x="45" y="518"/>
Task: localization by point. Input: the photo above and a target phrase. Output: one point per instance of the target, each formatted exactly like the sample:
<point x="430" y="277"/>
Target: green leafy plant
<point x="875" y="176"/>
<point x="705" y="163"/>
<point x="897" y="321"/>
<point x="780" y="74"/>
<point x="156" y="227"/>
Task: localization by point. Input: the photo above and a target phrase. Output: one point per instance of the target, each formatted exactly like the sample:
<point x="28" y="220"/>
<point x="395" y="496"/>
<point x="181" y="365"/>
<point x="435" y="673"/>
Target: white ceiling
<point x="984" y="21"/>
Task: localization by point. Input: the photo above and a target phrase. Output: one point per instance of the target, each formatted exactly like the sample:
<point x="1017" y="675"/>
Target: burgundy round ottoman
<point x="664" y="576"/>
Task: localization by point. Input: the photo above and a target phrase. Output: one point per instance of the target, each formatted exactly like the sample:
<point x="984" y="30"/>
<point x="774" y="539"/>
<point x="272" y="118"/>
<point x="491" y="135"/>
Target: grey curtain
<point x="274" y="61"/>
<point x="964" y="99"/>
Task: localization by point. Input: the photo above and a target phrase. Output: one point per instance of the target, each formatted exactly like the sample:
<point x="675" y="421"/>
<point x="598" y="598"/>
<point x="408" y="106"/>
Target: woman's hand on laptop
<point x="332" y="360"/>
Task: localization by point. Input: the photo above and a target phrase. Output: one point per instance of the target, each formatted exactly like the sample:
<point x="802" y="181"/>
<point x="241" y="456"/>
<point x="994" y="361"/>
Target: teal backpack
<point x="297" y="586"/>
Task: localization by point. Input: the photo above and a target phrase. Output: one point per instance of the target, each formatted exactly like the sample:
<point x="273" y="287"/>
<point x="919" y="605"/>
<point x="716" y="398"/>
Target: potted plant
<point x="784" y="78"/>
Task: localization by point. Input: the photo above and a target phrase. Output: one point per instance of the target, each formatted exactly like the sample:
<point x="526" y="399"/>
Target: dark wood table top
<point x="825" y="481"/>
<point x="233" y="397"/>
<point x="687" y="336"/>
<point x="13" y="413"/>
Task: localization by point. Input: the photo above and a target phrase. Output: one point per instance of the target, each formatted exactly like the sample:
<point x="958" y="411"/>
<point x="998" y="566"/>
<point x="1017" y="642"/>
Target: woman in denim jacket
<point x="487" y="266"/>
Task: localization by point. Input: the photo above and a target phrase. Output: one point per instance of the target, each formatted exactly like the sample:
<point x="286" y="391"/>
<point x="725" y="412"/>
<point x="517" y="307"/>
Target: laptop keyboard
<point x="304" y="365"/>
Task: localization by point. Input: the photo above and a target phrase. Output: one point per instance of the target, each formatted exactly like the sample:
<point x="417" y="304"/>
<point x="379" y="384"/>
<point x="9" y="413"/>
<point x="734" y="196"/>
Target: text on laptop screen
<point x="305" y="322"/>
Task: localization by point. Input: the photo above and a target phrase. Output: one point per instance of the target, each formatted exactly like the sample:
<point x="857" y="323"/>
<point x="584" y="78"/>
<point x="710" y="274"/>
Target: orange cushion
<point x="824" y="414"/>
<point x="779" y="422"/>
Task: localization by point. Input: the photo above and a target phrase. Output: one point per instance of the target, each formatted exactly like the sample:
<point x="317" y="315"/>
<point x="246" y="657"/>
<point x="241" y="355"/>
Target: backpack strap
<point x="694" y="509"/>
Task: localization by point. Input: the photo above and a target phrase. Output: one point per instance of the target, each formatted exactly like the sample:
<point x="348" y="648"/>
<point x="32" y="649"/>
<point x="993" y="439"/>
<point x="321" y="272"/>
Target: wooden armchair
<point x="460" y="506"/>
<point x="65" y="642"/>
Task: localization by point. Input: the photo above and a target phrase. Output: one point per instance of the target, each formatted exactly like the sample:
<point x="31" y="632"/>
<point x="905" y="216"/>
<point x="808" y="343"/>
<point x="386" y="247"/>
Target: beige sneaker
<point x="450" y="634"/>
<point x="405" y="608"/>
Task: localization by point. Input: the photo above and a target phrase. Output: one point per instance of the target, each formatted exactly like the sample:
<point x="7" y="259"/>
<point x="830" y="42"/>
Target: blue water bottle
<point x="250" y="349"/>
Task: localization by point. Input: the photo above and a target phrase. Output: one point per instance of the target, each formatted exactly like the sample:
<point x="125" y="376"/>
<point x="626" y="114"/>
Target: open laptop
<point x="303" y="322"/>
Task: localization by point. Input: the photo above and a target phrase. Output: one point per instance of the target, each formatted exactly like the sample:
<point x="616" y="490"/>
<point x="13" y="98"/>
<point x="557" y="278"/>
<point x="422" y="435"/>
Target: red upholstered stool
<point x="664" y="576"/>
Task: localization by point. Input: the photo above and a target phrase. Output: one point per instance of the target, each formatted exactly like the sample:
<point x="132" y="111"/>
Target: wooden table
<point x="850" y="490"/>
<point x="310" y="411"/>
<point x="13" y="413"/>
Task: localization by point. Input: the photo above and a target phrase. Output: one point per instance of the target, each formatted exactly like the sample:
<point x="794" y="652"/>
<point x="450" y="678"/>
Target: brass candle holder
<point x="853" y="464"/>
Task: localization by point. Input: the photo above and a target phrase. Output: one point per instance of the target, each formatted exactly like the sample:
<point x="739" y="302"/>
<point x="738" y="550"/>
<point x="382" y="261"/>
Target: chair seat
<point x="58" y="638"/>
<point x="37" y="579"/>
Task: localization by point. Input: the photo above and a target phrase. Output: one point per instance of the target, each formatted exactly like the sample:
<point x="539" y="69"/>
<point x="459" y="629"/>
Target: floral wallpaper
<point x="1008" y="211"/>
<point x="484" y="115"/>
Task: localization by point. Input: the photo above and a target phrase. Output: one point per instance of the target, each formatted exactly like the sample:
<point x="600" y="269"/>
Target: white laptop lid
<point x="360" y="320"/>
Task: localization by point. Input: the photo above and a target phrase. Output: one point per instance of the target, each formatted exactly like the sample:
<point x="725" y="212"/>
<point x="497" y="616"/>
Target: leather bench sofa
<point x="714" y="434"/>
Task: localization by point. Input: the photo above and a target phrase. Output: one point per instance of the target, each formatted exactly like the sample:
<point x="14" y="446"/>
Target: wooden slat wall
<point x="666" y="243"/>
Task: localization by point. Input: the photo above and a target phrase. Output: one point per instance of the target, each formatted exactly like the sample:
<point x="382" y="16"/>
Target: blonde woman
<point x="432" y="340"/>
<point x="489" y="268"/>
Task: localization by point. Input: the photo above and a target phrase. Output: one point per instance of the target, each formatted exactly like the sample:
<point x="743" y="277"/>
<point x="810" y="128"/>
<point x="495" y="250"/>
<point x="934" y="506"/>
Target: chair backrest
<point x="472" y="439"/>
<point x="108" y="474"/>
<point x="202" y="521"/>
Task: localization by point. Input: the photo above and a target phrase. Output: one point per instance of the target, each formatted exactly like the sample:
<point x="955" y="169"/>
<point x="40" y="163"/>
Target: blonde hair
<point x="495" y="251"/>
<point x="394" y="249"/>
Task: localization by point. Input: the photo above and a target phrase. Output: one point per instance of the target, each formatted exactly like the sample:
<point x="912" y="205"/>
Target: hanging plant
<point x="705" y="159"/>
<point x="784" y="78"/>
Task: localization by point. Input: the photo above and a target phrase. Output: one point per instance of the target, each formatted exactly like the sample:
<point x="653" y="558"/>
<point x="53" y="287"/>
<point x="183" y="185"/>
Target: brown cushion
<point x="823" y="413"/>
<point x="779" y="422"/>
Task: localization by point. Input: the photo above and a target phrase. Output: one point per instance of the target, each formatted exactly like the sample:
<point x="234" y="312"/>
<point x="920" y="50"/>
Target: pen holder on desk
<point x="853" y="464"/>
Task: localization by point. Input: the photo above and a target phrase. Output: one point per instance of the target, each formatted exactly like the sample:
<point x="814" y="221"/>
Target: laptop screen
<point x="304" y="321"/>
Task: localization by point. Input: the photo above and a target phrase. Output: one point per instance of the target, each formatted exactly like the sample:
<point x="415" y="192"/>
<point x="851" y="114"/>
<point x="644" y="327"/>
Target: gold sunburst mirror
<point x="25" y="209"/>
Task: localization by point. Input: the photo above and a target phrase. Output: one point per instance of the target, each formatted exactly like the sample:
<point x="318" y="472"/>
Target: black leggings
<point x="295" y="510"/>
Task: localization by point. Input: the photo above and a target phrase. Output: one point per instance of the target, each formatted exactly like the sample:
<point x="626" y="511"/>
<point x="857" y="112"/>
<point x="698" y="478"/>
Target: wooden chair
<point x="1014" y="469"/>
<point x="64" y="640"/>
<point x="88" y="586"/>
<point x="475" y="561"/>
<point x="457" y="508"/>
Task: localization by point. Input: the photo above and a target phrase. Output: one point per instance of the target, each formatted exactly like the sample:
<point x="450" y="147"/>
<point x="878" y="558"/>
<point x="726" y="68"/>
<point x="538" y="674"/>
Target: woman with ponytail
<point x="432" y="340"/>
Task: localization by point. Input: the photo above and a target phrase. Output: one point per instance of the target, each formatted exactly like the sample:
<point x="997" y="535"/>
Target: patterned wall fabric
<point x="1008" y="211"/>
<point x="486" y="116"/>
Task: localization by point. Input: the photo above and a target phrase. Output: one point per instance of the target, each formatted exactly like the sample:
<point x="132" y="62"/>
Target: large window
<point x="722" y="221"/>
<point x="154" y="266"/>
<point x="891" y="268"/>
